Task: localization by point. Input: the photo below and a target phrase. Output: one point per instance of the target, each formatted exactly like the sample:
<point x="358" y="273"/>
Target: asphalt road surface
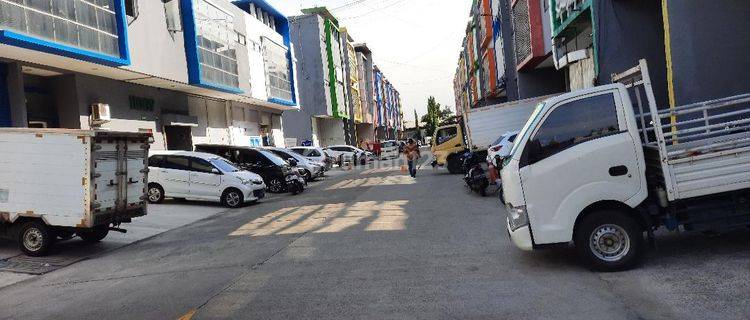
<point x="377" y="244"/>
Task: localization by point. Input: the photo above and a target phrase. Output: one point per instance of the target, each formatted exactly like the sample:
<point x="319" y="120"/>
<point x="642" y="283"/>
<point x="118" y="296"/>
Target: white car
<point x="310" y="170"/>
<point x="201" y="176"/>
<point x="501" y="147"/>
<point x="342" y="153"/>
<point x="389" y="150"/>
<point x="314" y="154"/>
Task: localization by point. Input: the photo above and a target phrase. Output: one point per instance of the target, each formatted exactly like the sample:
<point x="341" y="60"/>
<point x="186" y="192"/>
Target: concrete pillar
<point x="12" y="96"/>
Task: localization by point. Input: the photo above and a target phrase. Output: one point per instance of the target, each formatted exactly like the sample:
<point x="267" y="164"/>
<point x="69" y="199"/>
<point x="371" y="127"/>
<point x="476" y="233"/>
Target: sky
<point x="415" y="43"/>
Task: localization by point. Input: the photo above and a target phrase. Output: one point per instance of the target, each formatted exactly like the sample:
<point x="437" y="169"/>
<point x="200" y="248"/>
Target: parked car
<point x="389" y="150"/>
<point x="347" y="153"/>
<point x="277" y="174"/>
<point x="501" y="148"/>
<point x="310" y="170"/>
<point x="315" y="154"/>
<point x="201" y="176"/>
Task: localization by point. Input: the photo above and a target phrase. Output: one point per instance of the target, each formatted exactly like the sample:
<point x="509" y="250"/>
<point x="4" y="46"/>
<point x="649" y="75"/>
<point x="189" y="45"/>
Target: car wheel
<point x="233" y="198"/>
<point x="609" y="240"/>
<point x="94" y="235"/>
<point x="155" y="193"/>
<point x="275" y="185"/>
<point x="35" y="238"/>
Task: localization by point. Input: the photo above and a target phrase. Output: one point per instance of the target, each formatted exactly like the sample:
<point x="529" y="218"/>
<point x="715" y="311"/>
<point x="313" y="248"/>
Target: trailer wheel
<point x="35" y="238"/>
<point x="609" y="240"/>
<point x="155" y="193"/>
<point x="94" y="235"/>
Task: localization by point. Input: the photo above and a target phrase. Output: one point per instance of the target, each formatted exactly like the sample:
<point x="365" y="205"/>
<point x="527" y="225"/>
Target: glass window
<point x="446" y="134"/>
<point x="176" y="163"/>
<point x="512" y="138"/>
<point x="313" y="153"/>
<point x="155" y="161"/>
<point x="224" y="165"/>
<point x="216" y="45"/>
<point x="278" y="80"/>
<point x="200" y="165"/>
<point x="87" y="24"/>
<point x="574" y="123"/>
<point x="273" y="158"/>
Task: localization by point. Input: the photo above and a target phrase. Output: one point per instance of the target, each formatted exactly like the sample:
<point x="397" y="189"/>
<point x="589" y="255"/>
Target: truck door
<point x="580" y="154"/>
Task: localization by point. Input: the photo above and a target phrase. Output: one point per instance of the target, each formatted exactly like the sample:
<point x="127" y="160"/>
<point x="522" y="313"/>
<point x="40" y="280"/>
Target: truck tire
<point x="35" y="238"/>
<point x="454" y="165"/>
<point x="609" y="240"/>
<point x="155" y="193"/>
<point x="95" y="234"/>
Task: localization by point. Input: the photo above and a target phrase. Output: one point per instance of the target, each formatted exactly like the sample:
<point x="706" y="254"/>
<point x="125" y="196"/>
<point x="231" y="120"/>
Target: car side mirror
<point x="215" y="171"/>
<point x="293" y="162"/>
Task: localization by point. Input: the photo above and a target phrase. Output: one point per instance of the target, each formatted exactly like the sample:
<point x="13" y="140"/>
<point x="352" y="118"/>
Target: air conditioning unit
<point x="100" y="114"/>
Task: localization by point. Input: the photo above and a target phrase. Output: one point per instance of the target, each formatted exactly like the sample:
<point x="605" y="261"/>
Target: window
<point x="224" y="165"/>
<point x="241" y="39"/>
<point x="445" y="134"/>
<point x="574" y="123"/>
<point x="216" y="45"/>
<point x="313" y="153"/>
<point x="512" y="138"/>
<point x="200" y="165"/>
<point x="156" y="161"/>
<point x="278" y="81"/>
<point x="131" y="8"/>
<point x="176" y="163"/>
<point x="85" y="24"/>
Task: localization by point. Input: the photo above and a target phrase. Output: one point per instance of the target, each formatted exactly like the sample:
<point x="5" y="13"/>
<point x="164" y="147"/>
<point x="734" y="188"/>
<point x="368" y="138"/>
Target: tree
<point x="418" y="136"/>
<point x="435" y="116"/>
<point x="432" y="118"/>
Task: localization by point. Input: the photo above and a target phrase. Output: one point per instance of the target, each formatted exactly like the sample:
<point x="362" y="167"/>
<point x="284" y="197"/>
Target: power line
<point x="375" y="10"/>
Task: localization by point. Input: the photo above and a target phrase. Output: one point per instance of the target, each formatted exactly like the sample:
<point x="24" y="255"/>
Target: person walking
<point x="411" y="150"/>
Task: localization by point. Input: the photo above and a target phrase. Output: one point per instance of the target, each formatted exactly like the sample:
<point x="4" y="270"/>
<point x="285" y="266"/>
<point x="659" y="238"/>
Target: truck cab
<point x="577" y="153"/>
<point x="448" y="144"/>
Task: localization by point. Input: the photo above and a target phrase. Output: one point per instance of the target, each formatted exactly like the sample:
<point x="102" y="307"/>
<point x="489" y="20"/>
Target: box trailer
<point x="57" y="183"/>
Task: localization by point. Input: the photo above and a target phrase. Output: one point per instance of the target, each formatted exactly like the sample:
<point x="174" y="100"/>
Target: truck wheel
<point x="609" y="240"/>
<point x="95" y="234"/>
<point x="35" y="238"/>
<point x="155" y="193"/>
<point x="233" y="198"/>
<point x="454" y="165"/>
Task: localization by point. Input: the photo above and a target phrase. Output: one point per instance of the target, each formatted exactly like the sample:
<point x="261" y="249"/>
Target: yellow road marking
<point x="188" y="315"/>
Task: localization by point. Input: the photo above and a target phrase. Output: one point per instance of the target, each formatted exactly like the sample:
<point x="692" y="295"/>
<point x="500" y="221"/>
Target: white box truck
<point x="601" y="166"/>
<point x="57" y="183"/>
<point x="482" y="127"/>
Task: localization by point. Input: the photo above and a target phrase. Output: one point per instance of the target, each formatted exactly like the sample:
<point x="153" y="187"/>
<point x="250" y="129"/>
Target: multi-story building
<point x="320" y="48"/>
<point x="353" y="91"/>
<point x="366" y="129"/>
<point x="186" y="70"/>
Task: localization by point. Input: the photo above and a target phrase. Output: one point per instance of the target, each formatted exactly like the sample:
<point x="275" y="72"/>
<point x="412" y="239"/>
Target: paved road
<point x="376" y="244"/>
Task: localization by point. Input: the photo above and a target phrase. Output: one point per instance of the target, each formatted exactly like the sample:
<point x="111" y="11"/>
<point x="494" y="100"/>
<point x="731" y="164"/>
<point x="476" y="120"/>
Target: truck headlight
<point x="517" y="217"/>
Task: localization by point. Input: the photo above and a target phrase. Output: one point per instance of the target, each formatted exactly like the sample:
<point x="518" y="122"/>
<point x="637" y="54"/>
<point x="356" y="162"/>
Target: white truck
<point x="57" y="183"/>
<point x="601" y="166"/>
<point x="482" y="126"/>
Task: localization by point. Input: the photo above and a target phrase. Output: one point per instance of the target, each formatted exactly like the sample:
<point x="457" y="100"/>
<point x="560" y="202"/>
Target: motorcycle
<point x="476" y="177"/>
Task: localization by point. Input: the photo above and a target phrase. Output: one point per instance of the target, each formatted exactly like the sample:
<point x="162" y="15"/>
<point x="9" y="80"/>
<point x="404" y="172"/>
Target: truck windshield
<point x="523" y="134"/>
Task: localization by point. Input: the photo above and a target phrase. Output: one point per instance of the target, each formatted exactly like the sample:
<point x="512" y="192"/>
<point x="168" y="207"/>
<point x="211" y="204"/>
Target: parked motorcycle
<point x="476" y="176"/>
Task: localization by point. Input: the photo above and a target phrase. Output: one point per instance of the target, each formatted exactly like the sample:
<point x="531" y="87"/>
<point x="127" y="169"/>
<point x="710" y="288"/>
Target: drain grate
<point x="36" y="265"/>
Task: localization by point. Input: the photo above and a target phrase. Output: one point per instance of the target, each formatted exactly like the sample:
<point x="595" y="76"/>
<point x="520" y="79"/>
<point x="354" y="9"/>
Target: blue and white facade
<point x="190" y="71"/>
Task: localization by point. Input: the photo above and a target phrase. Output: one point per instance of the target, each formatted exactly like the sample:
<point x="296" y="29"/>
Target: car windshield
<point x="498" y="140"/>
<point x="274" y="158"/>
<point x="527" y="129"/>
<point x="223" y="165"/>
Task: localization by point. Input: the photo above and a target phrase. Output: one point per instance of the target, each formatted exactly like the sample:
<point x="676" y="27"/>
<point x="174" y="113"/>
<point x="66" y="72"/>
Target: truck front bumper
<point x="521" y="237"/>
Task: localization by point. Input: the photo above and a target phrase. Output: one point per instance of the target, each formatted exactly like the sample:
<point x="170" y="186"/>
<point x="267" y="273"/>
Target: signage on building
<point x="141" y="104"/>
<point x="256" y="141"/>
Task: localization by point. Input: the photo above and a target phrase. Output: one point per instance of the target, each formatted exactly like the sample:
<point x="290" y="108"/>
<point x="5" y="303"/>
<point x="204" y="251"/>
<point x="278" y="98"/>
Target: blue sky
<point x="415" y="42"/>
